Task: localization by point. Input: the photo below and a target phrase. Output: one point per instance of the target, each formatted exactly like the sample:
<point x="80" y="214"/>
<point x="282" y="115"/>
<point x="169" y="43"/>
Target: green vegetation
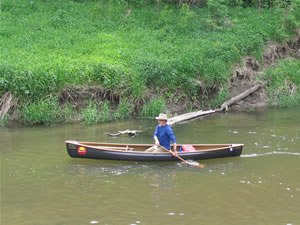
<point x="129" y="47"/>
<point x="102" y="112"/>
<point x="68" y="113"/>
<point x="221" y="97"/>
<point x="90" y="113"/>
<point x="4" y="121"/>
<point x="45" y="111"/>
<point x="105" y="113"/>
<point x="284" y="85"/>
<point x="153" y="107"/>
<point x="124" y="110"/>
<point x="95" y="112"/>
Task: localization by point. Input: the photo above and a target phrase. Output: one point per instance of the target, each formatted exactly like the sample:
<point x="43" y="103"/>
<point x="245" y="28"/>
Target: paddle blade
<point x="201" y="165"/>
<point x="193" y="163"/>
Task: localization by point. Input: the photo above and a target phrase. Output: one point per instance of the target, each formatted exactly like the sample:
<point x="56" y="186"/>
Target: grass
<point x="47" y="45"/>
<point x="4" y="121"/>
<point x="102" y="112"/>
<point x="284" y="83"/>
<point x="220" y="98"/>
<point x="153" y="107"/>
<point x="124" y="110"/>
<point x="105" y="113"/>
<point x="97" y="112"/>
<point x="68" y="113"/>
<point x="90" y="113"/>
<point x="45" y="112"/>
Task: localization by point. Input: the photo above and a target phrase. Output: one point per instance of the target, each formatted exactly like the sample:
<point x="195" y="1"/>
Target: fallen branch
<point x="193" y="115"/>
<point x="224" y="106"/>
<point x="241" y="96"/>
<point x="189" y="116"/>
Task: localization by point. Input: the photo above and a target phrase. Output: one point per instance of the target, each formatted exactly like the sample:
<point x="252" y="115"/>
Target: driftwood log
<point x="193" y="115"/>
<point x="241" y="96"/>
<point x="224" y="106"/>
<point x="131" y="133"/>
<point x="189" y="116"/>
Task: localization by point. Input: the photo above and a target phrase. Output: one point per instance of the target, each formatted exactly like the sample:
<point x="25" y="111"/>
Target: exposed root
<point x="78" y="95"/>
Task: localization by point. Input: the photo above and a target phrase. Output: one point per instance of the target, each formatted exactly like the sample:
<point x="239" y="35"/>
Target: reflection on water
<point x="41" y="184"/>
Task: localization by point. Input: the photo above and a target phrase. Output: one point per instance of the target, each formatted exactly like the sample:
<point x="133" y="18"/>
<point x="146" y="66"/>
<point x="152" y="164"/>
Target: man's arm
<point x="156" y="141"/>
<point x="173" y="139"/>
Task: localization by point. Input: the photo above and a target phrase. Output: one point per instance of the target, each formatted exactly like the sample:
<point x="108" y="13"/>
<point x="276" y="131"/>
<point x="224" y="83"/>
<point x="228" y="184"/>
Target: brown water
<point x="42" y="185"/>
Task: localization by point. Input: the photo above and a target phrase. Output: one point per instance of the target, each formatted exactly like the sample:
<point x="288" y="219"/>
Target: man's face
<point x="162" y="122"/>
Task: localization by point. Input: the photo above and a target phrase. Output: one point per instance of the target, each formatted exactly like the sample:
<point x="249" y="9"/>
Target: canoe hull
<point x="92" y="152"/>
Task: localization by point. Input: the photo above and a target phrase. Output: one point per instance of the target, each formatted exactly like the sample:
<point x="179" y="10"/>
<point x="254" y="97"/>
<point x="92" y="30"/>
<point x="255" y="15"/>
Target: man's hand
<point x="156" y="141"/>
<point x="175" y="147"/>
<point x="174" y="153"/>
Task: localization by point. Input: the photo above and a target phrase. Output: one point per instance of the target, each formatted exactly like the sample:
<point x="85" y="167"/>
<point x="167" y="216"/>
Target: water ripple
<point x="270" y="153"/>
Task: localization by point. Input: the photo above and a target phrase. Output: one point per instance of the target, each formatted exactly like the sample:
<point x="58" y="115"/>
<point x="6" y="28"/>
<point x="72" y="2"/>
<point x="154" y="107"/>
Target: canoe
<point x="136" y="152"/>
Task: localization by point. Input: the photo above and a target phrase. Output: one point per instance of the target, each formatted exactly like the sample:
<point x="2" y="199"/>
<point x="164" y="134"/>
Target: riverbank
<point x="66" y="61"/>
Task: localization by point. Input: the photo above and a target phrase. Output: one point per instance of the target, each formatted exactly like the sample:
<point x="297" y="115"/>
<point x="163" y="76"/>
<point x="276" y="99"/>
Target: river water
<point x="42" y="185"/>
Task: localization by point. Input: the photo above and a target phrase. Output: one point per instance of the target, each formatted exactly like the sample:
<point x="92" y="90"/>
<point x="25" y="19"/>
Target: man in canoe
<point x="163" y="135"/>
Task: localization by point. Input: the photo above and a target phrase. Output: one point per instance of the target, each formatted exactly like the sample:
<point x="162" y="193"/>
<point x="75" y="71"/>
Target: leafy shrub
<point x="218" y="12"/>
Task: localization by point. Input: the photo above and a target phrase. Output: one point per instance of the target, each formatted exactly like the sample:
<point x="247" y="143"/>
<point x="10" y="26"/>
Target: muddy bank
<point x="251" y="72"/>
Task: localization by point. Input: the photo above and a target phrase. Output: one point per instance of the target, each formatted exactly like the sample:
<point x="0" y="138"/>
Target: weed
<point x="4" y="121"/>
<point x="43" y="112"/>
<point x="153" y="107"/>
<point x="124" y="110"/>
<point x="284" y="83"/>
<point x="68" y="113"/>
<point x="221" y="97"/>
<point x="90" y="113"/>
<point x="105" y="113"/>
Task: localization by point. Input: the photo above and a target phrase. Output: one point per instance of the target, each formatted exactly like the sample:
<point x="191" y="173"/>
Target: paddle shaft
<point x="177" y="156"/>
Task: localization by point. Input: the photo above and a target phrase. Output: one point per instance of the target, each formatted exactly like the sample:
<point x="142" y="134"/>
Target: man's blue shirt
<point x="165" y="135"/>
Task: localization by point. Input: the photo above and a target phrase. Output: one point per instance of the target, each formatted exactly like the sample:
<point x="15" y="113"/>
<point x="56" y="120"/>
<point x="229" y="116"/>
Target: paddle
<point x="177" y="156"/>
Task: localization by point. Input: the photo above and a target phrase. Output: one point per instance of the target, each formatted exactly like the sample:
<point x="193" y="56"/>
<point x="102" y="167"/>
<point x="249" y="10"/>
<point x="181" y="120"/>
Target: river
<point x="42" y="185"/>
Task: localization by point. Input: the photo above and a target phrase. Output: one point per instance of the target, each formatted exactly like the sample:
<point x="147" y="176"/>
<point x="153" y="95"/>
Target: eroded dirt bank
<point x="250" y="72"/>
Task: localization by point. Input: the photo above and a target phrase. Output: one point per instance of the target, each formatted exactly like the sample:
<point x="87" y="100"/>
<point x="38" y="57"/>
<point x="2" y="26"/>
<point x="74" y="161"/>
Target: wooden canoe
<point x="136" y="152"/>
